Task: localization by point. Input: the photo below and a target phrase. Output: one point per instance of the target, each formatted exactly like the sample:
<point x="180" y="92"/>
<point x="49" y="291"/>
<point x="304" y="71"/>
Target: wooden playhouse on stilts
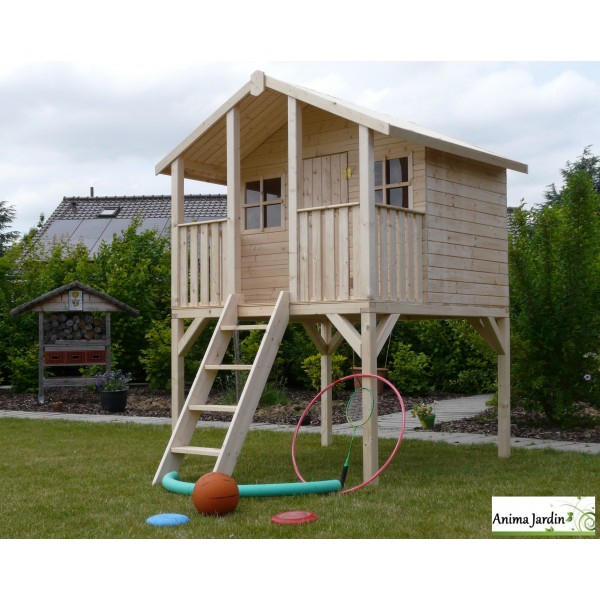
<point x="338" y="218"/>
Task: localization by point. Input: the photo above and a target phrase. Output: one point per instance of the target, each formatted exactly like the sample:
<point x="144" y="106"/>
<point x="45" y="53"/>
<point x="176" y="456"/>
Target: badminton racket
<point x="358" y="411"/>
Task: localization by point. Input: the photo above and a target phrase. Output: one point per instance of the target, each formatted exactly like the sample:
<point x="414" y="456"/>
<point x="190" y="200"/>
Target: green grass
<point x="64" y="479"/>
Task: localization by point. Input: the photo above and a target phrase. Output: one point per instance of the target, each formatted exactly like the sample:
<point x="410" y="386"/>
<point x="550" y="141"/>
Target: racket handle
<point x="343" y="475"/>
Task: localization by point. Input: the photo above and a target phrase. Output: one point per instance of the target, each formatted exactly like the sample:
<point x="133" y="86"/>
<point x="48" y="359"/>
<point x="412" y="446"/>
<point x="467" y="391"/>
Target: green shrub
<point x="156" y="356"/>
<point x="459" y="359"/>
<point x="24" y="369"/>
<point x="312" y="367"/>
<point x="409" y="370"/>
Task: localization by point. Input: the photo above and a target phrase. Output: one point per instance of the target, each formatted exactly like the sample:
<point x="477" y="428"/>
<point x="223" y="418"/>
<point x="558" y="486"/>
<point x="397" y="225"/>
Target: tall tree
<point x="7" y="216"/>
<point x="554" y="265"/>
<point x="586" y="163"/>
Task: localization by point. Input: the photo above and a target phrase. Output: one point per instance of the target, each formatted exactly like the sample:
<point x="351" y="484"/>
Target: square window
<point x="263" y="203"/>
<point x="392" y="182"/>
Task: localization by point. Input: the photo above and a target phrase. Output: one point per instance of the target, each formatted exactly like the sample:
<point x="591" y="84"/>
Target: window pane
<point x="398" y="197"/>
<point x="272" y="189"/>
<point x="397" y="170"/>
<point x="273" y="215"/>
<point x="253" y="192"/>
<point x="253" y="218"/>
<point x="378" y="173"/>
<point x="378" y="196"/>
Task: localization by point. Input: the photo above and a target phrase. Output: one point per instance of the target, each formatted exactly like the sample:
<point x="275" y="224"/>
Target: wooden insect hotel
<point x="339" y="218"/>
<point x="74" y="331"/>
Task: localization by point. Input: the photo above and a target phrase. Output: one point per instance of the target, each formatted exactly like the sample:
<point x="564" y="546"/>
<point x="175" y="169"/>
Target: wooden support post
<point x="41" y="398"/>
<point x="177" y="371"/>
<point x="232" y="259"/>
<point x="326" y="379"/>
<point x="192" y="333"/>
<point x="369" y="365"/>
<point x="496" y="332"/>
<point x="326" y="344"/>
<point x="108" y="326"/>
<point x="504" y="390"/>
<point x="177" y="217"/>
<point x="294" y="188"/>
<point x="368" y="229"/>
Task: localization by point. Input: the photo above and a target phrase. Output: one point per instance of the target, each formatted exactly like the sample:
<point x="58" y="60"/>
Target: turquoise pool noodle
<point x="171" y="482"/>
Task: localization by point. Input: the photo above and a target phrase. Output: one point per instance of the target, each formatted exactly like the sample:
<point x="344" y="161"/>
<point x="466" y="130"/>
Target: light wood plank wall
<point x="264" y="255"/>
<point x="466" y="237"/>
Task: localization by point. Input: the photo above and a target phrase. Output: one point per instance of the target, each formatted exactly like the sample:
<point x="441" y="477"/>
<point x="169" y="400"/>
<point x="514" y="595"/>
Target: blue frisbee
<point x="167" y="520"/>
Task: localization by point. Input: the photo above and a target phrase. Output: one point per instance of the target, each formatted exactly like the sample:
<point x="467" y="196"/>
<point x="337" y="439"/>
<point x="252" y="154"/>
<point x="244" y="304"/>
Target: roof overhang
<point x="263" y="110"/>
<point x="37" y="304"/>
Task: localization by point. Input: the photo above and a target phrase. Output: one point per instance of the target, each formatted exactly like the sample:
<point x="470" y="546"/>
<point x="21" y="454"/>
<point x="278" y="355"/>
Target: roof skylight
<point x="109" y="212"/>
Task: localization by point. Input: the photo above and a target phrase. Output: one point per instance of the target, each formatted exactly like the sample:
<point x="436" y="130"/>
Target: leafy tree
<point x="26" y="272"/>
<point x="586" y="163"/>
<point x="7" y="216"/>
<point x="134" y="268"/>
<point x="554" y="258"/>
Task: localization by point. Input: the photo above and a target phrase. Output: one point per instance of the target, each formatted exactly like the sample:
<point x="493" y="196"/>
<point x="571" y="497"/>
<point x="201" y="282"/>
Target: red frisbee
<point x="294" y="517"/>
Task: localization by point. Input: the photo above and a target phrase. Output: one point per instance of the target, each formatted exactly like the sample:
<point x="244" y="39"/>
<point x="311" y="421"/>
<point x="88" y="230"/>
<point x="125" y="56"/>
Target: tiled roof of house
<point x="96" y="219"/>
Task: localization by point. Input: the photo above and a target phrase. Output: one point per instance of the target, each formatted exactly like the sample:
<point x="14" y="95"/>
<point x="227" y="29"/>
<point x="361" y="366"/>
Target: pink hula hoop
<point x="394" y="451"/>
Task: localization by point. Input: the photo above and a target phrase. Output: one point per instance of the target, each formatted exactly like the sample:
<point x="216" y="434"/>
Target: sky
<point x="80" y="109"/>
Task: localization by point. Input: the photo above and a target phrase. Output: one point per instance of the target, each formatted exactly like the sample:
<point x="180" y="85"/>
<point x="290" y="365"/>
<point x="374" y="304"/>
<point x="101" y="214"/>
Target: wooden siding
<point x="325" y="180"/>
<point x="466" y="236"/>
<point x="265" y="266"/>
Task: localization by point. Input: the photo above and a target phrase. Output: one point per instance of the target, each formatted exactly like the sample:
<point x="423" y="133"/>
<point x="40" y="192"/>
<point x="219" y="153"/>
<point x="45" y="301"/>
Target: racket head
<point x="359" y="407"/>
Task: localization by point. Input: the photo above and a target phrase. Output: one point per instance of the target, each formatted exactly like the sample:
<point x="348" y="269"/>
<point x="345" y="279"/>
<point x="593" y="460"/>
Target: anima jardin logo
<point x="544" y="515"/>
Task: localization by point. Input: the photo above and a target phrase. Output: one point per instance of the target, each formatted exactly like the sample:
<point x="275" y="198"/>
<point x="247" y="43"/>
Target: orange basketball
<point x="215" y="494"/>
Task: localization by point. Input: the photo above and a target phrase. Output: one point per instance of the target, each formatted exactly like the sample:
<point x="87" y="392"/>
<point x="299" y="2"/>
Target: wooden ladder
<point x="197" y="399"/>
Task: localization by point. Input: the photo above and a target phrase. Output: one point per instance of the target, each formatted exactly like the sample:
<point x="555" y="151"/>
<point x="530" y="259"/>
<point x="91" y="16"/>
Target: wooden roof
<point x="262" y="103"/>
<point x="38" y="303"/>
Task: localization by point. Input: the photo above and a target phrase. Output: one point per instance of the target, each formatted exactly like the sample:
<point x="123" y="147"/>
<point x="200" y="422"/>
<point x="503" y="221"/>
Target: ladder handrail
<point x="198" y="395"/>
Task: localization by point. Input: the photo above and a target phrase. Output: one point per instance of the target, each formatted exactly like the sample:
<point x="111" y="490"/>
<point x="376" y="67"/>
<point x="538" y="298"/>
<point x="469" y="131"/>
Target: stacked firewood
<point x="66" y="326"/>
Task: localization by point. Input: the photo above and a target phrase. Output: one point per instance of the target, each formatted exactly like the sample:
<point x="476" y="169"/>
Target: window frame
<point x="385" y="186"/>
<point x="262" y="204"/>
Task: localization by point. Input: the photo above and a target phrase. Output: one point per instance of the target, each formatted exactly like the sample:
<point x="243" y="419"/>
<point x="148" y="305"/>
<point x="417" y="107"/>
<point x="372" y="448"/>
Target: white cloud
<point x="64" y="125"/>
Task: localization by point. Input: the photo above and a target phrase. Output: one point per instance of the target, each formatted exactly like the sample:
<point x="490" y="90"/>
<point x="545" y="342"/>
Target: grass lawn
<point x="64" y="479"/>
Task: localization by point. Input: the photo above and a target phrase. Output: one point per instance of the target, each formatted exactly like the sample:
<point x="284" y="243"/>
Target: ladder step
<point x="197" y="450"/>
<point x="228" y="367"/>
<point x="226" y="408"/>
<point x="244" y="327"/>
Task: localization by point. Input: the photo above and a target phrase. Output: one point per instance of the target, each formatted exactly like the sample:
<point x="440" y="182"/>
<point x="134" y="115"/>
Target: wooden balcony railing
<point x="399" y="254"/>
<point x="201" y="247"/>
<point x="329" y="254"/>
